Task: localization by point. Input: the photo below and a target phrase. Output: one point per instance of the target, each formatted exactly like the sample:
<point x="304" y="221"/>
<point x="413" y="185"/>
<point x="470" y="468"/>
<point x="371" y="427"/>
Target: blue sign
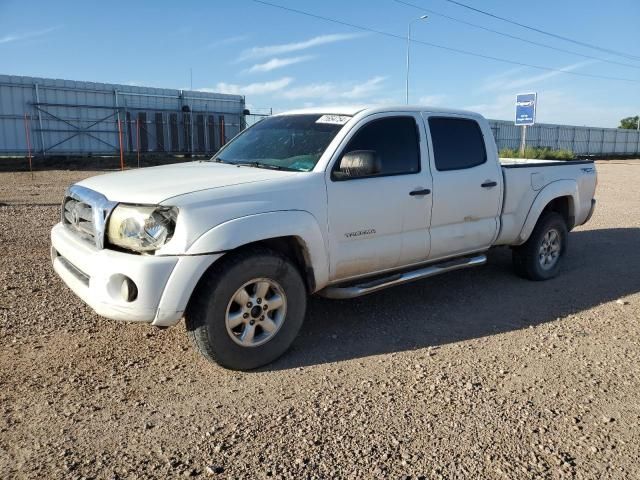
<point x="526" y="108"/>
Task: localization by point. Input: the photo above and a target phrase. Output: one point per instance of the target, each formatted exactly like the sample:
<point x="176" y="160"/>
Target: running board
<point x="372" y="286"/>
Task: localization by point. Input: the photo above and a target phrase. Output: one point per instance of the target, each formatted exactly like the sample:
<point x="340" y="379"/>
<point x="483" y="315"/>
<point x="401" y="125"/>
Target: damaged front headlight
<point x="141" y="228"/>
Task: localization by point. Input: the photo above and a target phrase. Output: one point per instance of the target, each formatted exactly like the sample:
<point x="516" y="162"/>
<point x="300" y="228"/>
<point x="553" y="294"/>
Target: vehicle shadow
<point x="601" y="266"/>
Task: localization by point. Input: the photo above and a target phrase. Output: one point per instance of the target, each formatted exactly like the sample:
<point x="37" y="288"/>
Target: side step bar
<point x="372" y="286"/>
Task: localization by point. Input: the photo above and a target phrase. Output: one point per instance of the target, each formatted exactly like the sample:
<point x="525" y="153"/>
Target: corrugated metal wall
<point x="66" y="117"/>
<point x="580" y="140"/>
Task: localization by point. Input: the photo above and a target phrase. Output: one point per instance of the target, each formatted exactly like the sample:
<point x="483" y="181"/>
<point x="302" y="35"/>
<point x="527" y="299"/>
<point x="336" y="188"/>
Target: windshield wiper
<point x="263" y="165"/>
<point x="254" y="164"/>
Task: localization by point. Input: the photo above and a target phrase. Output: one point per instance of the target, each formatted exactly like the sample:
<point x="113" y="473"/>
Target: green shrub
<point x="509" y="153"/>
<point x="540" y="153"/>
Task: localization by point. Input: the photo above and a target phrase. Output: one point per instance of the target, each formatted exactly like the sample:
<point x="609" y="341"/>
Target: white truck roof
<point x="370" y="109"/>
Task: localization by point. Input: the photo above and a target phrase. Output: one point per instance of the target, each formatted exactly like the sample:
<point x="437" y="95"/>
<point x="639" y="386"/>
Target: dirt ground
<point x="474" y="374"/>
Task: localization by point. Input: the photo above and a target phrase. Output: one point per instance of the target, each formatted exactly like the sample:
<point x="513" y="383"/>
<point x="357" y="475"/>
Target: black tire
<point x="207" y="310"/>
<point x="526" y="257"/>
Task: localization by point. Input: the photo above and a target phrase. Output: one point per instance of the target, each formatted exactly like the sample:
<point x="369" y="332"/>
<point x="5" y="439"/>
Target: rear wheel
<point x="247" y="310"/>
<point x="539" y="258"/>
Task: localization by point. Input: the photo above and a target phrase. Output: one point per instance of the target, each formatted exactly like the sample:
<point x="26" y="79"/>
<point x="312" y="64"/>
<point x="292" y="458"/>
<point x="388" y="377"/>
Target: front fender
<point x="559" y="188"/>
<point x="263" y="226"/>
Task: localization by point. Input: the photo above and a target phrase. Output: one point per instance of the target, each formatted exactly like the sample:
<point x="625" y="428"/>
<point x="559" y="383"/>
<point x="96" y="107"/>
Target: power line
<point x="550" y="34"/>
<point x="442" y="47"/>
<point x="515" y="37"/>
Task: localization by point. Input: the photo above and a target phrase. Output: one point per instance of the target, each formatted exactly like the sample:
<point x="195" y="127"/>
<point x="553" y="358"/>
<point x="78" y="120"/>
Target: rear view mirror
<point x="359" y="163"/>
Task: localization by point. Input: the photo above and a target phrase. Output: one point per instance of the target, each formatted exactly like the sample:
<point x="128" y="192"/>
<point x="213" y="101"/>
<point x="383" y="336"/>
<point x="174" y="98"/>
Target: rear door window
<point x="457" y="143"/>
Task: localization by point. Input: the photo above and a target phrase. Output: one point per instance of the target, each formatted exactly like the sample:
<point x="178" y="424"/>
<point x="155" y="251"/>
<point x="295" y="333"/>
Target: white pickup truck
<point x="339" y="203"/>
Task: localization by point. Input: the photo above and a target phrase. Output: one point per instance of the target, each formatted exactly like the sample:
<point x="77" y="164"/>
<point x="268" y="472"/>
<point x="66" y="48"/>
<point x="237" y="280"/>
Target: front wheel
<point x="247" y="310"/>
<point x="539" y="257"/>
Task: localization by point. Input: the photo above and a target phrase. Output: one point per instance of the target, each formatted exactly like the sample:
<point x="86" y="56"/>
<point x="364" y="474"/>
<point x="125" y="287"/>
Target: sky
<point x="282" y="60"/>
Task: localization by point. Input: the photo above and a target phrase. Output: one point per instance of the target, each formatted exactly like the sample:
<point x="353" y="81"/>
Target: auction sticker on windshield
<point x="334" y="119"/>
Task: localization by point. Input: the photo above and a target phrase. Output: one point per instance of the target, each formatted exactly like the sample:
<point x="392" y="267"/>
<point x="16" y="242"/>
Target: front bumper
<point x="164" y="283"/>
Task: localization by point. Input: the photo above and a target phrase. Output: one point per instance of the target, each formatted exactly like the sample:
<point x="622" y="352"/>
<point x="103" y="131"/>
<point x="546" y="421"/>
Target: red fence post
<point x="222" y="139"/>
<point x="138" y="139"/>
<point x="28" y="138"/>
<point x="120" y="140"/>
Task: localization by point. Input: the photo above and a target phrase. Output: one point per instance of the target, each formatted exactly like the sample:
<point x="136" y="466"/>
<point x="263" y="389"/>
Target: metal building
<point x="65" y="117"/>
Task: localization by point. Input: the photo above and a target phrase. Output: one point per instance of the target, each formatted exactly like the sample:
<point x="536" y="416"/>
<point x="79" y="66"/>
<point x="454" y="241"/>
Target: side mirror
<point x="359" y="163"/>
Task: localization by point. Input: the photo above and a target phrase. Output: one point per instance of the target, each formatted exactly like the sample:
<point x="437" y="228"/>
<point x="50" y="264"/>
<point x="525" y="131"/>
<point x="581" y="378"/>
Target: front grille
<point x="78" y="216"/>
<point x="85" y="212"/>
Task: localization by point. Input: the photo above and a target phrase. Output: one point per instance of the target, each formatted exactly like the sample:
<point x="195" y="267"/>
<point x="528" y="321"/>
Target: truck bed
<point x="524" y="179"/>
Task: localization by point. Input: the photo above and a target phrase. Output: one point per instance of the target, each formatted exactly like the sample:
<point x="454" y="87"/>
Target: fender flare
<point x="264" y="226"/>
<point x="559" y="188"/>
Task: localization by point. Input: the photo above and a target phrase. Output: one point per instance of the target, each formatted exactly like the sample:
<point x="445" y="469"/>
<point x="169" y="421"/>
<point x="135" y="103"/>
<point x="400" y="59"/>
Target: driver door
<point x="380" y="220"/>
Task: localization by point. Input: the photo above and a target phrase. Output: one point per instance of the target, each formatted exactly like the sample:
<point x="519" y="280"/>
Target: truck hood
<point x="156" y="184"/>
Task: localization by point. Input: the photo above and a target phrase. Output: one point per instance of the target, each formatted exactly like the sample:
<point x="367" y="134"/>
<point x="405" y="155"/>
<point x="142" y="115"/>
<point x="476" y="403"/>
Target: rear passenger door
<point x="467" y="186"/>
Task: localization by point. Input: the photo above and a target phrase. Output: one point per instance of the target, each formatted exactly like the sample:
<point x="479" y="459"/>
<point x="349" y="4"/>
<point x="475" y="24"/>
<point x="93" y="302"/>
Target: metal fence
<point x="256" y="115"/>
<point x="580" y="140"/>
<point x="63" y="117"/>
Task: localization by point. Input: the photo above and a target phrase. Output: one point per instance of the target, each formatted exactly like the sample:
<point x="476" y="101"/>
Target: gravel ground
<point x="474" y="374"/>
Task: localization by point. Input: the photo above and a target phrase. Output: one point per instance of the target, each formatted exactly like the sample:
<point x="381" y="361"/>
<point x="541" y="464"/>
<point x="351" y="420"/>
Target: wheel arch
<point x="295" y="234"/>
<point x="561" y="197"/>
<point x="292" y="247"/>
<point x="565" y="207"/>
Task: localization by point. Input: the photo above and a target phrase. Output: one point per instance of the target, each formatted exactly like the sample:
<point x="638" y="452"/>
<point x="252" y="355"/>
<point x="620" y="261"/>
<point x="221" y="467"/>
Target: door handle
<point x="489" y="184"/>
<point x="424" y="191"/>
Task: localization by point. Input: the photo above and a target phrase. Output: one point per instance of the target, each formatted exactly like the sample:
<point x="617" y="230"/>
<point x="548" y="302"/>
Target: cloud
<point x="276" y="63"/>
<point x="311" y="92"/>
<point x="495" y="77"/>
<point x="16" y="37"/>
<point x="260" y="88"/>
<point x="272" y="50"/>
<point x="436" y="100"/>
<point x="228" y="41"/>
<point x="501" y="107"/>
<point x="333" y="91"/>
<point x="517" y="77"/>
<point x="364" y="89"/>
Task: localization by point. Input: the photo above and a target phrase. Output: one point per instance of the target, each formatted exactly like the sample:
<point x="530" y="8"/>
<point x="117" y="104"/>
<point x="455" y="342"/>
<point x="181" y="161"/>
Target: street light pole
<point x="423" y="17"/>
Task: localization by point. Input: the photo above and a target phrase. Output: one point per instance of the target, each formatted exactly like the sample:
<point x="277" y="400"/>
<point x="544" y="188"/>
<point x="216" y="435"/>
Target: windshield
<point x="288" y="142"/>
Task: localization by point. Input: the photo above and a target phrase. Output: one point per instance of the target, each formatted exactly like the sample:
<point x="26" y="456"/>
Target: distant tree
<point x="629" y="122"/>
